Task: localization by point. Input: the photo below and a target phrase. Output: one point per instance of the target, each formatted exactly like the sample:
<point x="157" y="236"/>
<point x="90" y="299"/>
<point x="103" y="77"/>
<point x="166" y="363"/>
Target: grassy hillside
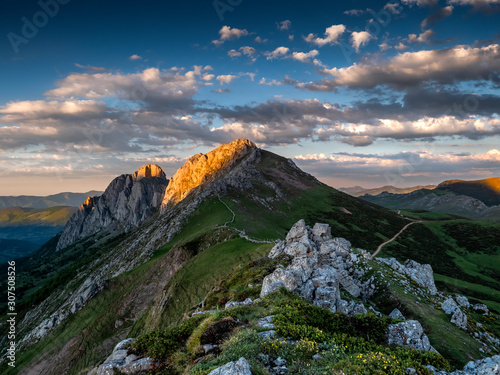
<point x="32" y="201"/>
<point x="464" y="254"/>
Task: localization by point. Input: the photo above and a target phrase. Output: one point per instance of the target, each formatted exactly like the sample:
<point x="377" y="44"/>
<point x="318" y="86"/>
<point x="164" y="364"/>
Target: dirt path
<point x="241" y="233"/>
<point x="393" y="238"/>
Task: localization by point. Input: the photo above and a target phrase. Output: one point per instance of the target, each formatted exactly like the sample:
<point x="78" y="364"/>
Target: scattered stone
<point x="119" y="360"/>
<point x="240" y="367"/>
<point x="396" y="314"/>
<point x="410" y="371"/>
<point x="481" y="308"/>
<point x="462" y="301"/>
<point x="317" y="357"/>
<point x="280" y="361"/>
<point x="209" y="348"/>
<point x="268" y="335"/>
<point x="230" y="304"/>
<point x="459" y="318"/>
<point x="422" y="274"/>
<point x="266" y="322"/>
<point x="449" y="306"/>
<point x="409" y="333"/>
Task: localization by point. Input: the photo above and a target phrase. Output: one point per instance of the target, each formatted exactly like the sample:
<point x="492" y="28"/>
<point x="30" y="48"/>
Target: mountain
<point x="127" y="202"/>
<point x="31" y="201"/>
<point x="18" y="216"/>
<point x="472" y="199"/>
<point x="358" y="191"/>
<point x="207" y="240"/>
<point x="486" y="190"/>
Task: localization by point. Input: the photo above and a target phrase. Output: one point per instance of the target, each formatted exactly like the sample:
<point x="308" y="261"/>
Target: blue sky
<point x="357" y="92"/>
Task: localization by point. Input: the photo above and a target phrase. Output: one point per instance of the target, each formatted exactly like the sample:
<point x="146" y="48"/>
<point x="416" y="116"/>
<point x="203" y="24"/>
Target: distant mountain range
<point x="358" y="191"/>
<point x="61" y="199"/>
<point x="479" y="199"/>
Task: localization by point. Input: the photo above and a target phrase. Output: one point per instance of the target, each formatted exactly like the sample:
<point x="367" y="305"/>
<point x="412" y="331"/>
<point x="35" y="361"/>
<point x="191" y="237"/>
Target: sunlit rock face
<point x="128" y="201"/>
<point x="202" y="168"/>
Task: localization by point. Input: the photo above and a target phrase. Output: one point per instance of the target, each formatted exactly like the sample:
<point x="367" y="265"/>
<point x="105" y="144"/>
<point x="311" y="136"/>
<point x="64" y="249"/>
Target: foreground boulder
<point x="422" y="274"/>
<point x="321" y="265"/>
<point x="240" y="367"/>
<point x="485" y="366"/>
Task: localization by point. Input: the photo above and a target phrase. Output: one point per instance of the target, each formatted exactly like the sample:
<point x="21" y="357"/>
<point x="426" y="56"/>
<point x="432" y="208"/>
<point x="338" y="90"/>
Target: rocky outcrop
<point x="201" y="168"/>
<point x="420" y="273"/>
<point x="128" y="201"/>
<point x="121" y="362"/>
<point x="485" y="366"/>
<point x="409" y="333"/>
<point x="450" y="307"/>
<point x="240" y="367"/>
<point x="321" y="265"/>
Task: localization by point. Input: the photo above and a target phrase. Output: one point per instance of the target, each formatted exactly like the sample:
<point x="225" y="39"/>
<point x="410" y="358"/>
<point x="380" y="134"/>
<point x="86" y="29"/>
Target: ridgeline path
<point x="241" y="233"/>
<point x="393" y="238"/>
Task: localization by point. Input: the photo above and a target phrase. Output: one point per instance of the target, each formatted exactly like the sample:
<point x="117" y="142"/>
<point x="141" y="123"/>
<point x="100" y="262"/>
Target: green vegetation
<point x="53" y="216"/>
<point x="355" y="345"/>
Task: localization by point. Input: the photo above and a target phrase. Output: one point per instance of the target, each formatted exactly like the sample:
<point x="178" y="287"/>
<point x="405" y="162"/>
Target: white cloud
<point x="225" y="79"/>
<point x="151" y="83"/>
<point x="332" y="35"/>
<point x="284" y="25"/>
<point x="233" y="53"/>
<point x="384" y="46"/>
<point x="420" y="3"/>
<point x="248" y="51"/>
<point x="278" y="52"/>
<point x="135" y="57"/>
<point x="208" y="77"/>
<point x="260" y="40"/>
<point x="423" y="37"/>
<point x="359" y="38"/>
<point x="401" y="46"/>
<point x="460" y="63"/>
<point x="474" y="3"/>
<point x="305" y="57"/>
<point x="272" y="82"/>
<point x="226" y="33"/>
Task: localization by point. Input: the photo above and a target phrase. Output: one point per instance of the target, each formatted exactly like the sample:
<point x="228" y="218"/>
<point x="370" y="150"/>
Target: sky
<point x="366" y="93"/>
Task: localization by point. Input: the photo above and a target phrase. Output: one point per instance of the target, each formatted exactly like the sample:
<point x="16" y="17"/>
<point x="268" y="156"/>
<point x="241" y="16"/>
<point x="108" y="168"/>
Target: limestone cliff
<point x="128" y="201"/>
<point x="202" y="168"/>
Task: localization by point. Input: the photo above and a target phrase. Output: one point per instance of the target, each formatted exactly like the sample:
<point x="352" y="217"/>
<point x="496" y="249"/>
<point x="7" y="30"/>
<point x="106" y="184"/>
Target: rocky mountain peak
<point x="201" y="168"/>
<point x="128" y="201"/>
<point x="149" y="170"/>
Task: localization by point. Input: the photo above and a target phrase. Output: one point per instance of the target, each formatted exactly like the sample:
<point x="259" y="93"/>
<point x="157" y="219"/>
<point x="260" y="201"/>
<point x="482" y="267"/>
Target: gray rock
<point x="459" y="318"/>
<point x="410" y="371"/>
<point x="317" y="357"/>
<point x="230" y="304"/>
<point x="422" y="274"/>
<point x="120" y="361"/>
<point x="266" y="322"/>
<point x="486" y="366"/>
<point x="280" y="361"/>
<point x="240" y="367"/>
<point x="481" y="308"/>
<point x="449" y="306"/>
<point x="462" y="301"/>
<point x="298" y="230"/>
<point x="409" y="333"/>
<point x="268" y="335"/>
<point x="276" y="280"/>
<point x="321" y="232"/>
<point x="396" y="314"/>
<point x="209" y="348"/>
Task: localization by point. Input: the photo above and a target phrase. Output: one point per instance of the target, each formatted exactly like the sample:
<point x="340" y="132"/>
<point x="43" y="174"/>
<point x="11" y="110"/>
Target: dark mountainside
<point x="471" y="199"/>
<point x="219" y="231"/>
